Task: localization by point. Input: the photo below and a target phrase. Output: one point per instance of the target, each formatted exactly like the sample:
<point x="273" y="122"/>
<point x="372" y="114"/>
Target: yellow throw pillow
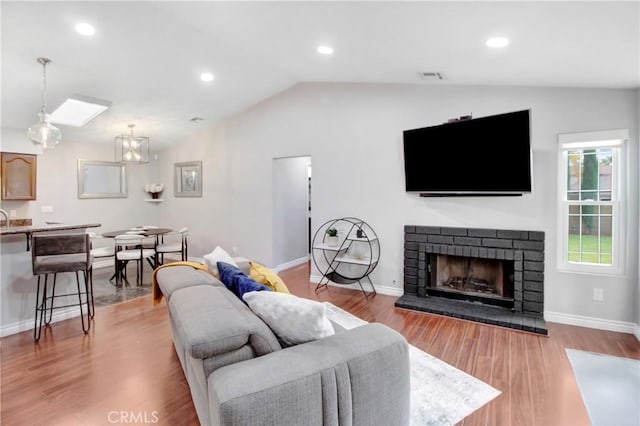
<point x="266" y="276"/>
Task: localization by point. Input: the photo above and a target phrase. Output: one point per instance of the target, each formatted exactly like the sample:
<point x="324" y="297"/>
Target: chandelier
<point x="132" y="149"/>
<point x="43" y="133"/>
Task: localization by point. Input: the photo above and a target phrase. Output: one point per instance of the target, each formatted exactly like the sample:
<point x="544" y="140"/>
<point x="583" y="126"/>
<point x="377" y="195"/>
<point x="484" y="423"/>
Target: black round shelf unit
<point x="350" y="256"/>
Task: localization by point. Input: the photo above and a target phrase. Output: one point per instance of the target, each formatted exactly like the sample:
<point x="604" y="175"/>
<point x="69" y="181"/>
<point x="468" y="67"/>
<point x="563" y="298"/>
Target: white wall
<point x="354" y="134"/>
<point x="208" y="217"/>
<point x="290" y="209"/>
<point x="57" y="186"/>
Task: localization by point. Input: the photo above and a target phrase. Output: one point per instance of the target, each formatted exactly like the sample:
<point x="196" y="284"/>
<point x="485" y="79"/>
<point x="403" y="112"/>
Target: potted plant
<point x="332" y="237"/>
<point x="154" y="189"/>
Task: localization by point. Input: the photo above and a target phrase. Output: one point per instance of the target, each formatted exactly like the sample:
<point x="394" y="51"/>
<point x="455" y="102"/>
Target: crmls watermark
<point x="124" y="417"/>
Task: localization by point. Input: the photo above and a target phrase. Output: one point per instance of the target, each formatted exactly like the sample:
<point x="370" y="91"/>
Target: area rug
<point x="440" y="393"/>
<point x="609" y="385"/>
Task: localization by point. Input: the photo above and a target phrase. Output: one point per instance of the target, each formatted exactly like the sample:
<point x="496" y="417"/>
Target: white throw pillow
<point x="294" y="319"/>
<point x="217" y="255"/>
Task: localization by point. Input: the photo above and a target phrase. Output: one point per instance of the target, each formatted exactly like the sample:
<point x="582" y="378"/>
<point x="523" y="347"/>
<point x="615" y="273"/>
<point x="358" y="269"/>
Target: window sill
<point x="586" y="270"/>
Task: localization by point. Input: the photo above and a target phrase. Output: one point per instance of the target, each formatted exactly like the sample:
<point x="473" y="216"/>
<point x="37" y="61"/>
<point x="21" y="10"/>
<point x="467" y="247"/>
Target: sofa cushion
<point x="178" y="277"/>
<point x="237" y="281"/>
<point x="217" y="255"/>
<point x="211" y="321"/>
<point x="294" y="319"/>
<point x="266" y="276"/>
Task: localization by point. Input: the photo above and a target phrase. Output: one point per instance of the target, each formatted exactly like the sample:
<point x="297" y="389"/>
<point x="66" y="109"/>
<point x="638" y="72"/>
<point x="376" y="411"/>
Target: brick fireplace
<point x="494" y="276"/>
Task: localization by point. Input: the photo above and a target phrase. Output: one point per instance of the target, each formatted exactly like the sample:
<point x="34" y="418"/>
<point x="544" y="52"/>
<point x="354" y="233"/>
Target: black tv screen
<point x="488" y="155"/>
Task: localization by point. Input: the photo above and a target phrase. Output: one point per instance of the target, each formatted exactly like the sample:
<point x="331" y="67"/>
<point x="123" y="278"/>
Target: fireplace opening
<point x="483" y="280"/>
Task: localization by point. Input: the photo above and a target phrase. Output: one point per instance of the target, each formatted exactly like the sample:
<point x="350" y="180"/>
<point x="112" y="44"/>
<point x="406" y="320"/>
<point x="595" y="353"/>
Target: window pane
<point x="573" y="195"/>
<point x="574" y="210"/>
<point x="606" y="234"/>
<point x="606" y="209"/>
<point x="589" y="220"/>
<point x="605" y="195"/>
<point x="574" y="234"/>
<point x="573" y="170"/>
<point x="589" y="170"/>
<point x="605" y="159"/>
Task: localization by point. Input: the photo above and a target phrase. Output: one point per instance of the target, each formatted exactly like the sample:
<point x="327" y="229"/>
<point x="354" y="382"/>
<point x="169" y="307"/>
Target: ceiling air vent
<point x="196" y="119"/>
<point x="431" y="76"/>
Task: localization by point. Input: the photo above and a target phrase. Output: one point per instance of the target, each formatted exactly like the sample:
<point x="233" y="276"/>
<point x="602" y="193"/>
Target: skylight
<point x="85" y="29"/>
<point x="498" y="42"/>
<point x="325" y="50"/>
<point x="78" y="110"/>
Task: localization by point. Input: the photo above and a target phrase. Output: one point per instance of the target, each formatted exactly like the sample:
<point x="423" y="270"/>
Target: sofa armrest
<point x="359" y="376"/>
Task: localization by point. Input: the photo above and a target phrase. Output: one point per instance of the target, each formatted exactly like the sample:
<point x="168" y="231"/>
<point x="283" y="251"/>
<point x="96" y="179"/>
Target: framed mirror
<point x="187" y="179"/>
<point x="101" y="179"/>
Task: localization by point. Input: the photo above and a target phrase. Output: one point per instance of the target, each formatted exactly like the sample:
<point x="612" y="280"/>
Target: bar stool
<point x="54" y="254"/>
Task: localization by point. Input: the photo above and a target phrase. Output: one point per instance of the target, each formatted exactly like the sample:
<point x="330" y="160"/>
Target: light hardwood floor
<point x="126" y="369"/>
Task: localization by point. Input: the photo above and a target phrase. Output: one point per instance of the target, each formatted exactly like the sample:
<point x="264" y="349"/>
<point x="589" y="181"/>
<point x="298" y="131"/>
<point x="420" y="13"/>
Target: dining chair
<point x="176" y="242"/>
<point x="129" y="247"/>
<point x="55" y="254"/>
<point x="104" y="249"/>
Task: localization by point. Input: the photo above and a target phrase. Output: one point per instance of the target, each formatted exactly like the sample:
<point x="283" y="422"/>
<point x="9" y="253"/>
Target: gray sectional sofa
<point x="239" y="374"/>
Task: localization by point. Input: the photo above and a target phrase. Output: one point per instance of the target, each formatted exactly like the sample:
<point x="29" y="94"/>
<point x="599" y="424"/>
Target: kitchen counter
<point x="44" y="228"/>
<point x="49" y="227"/>
<point x="17" y="283"/>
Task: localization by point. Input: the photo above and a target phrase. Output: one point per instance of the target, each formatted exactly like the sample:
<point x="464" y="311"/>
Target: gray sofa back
<point x="215" y="326"/>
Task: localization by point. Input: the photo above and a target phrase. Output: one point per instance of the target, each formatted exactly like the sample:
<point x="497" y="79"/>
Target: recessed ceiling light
<point x="85" y="29"/>
<point x="206" y="76"/>
<point x="325" y="50"/>
<point x="497" y="42"/>
<point x="78" y="110"/>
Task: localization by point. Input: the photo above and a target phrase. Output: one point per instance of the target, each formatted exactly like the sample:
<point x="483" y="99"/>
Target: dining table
<point x="143" y="231"/>
<point x="138" y="230"/>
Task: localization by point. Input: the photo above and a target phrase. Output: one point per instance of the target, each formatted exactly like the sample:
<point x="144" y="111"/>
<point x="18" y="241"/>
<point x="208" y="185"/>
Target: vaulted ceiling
<point x="147" y="57"/>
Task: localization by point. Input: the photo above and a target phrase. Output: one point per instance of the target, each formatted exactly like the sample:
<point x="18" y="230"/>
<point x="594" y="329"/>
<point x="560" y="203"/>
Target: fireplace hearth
<point x="487" y="275"/>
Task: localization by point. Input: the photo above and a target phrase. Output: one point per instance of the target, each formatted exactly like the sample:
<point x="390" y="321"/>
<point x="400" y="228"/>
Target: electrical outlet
<point x="234" y="250"/>
<point x="46" y="209"/>
<point x="598" y="294"/>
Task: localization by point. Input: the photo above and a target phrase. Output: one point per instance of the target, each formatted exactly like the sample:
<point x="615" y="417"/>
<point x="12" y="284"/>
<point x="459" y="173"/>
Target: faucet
<point x="6" y="216"/>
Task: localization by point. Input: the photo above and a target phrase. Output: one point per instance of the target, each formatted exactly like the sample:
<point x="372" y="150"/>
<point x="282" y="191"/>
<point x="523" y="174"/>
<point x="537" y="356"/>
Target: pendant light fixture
<point x="43" y="133"/>
<point x="132" y="149"/>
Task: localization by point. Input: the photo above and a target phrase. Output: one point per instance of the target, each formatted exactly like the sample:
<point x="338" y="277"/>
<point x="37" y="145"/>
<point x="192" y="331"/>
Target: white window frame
<point x="616" y="140"/>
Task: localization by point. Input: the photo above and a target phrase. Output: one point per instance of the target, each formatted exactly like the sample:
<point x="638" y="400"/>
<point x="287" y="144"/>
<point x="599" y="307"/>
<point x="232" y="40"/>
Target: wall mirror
<point x="101" y="179"/>
<point x="187" y="180"/>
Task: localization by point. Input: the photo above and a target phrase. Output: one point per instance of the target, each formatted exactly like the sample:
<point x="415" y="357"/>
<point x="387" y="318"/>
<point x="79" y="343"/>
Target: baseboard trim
<point x="291" y="264"/>
<point x="24" y="325"/>
<point x="591" y="322"/>
<point x="389" y="291"/>
<point x="636" y="331"/>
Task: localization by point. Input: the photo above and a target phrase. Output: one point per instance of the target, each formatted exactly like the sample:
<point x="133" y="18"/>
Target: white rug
<point x="610" y="387"/>
<point x="440" y="394"/>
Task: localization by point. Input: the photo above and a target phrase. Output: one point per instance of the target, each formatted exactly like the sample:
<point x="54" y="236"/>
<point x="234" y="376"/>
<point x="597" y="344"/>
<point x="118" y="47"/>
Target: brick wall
<point x="524" y="248"/>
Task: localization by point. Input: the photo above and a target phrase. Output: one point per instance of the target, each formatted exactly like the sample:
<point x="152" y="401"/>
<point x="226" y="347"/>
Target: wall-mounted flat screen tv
<point x="482" y="156"/>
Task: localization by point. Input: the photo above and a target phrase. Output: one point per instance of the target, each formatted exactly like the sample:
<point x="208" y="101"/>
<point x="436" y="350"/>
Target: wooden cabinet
<point x="18" y="176"/>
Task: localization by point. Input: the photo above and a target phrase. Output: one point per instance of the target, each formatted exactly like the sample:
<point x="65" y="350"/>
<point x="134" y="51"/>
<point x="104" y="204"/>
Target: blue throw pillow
<point x="237" y="281"/>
